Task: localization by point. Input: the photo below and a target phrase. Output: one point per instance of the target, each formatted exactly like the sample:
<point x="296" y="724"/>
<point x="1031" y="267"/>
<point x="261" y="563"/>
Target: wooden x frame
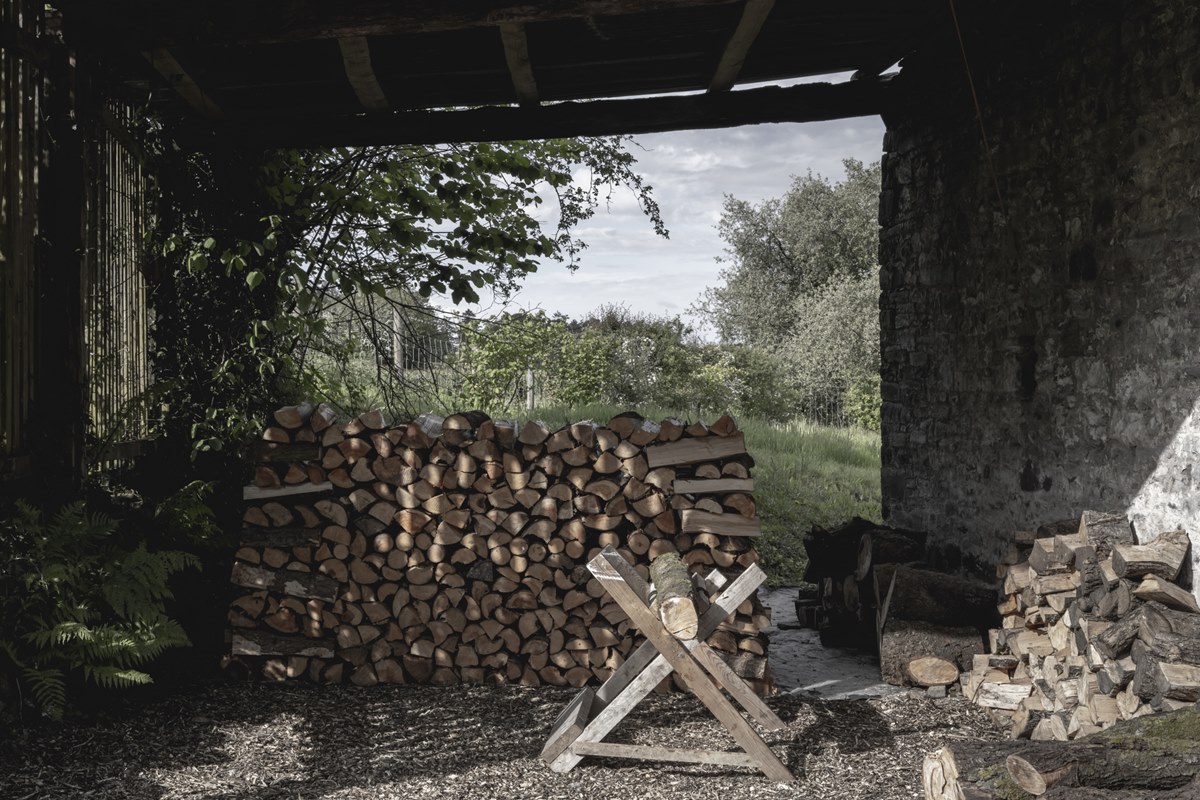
<point x="590" y="717"/>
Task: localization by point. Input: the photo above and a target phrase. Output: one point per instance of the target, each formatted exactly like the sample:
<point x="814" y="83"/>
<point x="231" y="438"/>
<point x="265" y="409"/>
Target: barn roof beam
<point x="275" y="21"/>
<point x="803" y="103"/>
<point x="185" y="86"/>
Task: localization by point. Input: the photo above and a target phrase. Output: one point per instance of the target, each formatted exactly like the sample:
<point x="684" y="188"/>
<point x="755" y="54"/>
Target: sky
<point x="626" y="263"/>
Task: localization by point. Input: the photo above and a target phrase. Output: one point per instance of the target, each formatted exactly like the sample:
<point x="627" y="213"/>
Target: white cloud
<point x="691" y="172"/>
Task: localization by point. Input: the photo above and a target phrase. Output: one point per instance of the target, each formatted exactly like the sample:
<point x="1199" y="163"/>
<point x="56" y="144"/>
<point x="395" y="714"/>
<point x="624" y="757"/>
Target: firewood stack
<point x="1095" y="629"/>
<point x="448" y="550"/>
<point x="875" y="593"/>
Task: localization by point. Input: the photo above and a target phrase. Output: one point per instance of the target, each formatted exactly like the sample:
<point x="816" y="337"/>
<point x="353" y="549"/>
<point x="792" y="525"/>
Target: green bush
<point x="81" y="602"/>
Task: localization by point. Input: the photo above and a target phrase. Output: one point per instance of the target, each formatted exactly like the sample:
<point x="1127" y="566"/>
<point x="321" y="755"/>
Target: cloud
<point x="691" y="172"/>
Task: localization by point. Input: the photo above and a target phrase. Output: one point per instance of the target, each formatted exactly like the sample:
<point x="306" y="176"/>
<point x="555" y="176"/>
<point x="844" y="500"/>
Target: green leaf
<point x="254" y="278"/>
<point x="197" y="262"/>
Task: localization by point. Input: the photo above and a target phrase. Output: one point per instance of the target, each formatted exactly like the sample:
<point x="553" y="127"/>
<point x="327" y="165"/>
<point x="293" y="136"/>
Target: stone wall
<point x="1041" y="307"/>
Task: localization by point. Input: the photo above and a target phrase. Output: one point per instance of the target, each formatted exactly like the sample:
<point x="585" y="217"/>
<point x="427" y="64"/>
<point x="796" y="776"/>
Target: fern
<point x="49" y="689"/>
<point x="76" y="600"/>
<point x="116" y="677"/>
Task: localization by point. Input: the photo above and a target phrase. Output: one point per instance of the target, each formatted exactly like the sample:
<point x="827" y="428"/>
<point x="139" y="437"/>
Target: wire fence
<point x="118" y="316"/>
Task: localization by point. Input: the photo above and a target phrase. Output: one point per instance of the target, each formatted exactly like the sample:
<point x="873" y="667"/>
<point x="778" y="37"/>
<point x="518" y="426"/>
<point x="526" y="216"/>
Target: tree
<point x="790" y="247"/>
<point x="362" y="237"/>
<point x="800" y="294"/>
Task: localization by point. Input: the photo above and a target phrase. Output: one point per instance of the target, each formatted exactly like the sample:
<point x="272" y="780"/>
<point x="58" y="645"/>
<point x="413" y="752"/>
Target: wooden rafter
<point x="183" y="83"/>
<point x="516" y="55"/>
<point x="804" y="103"/>
<point x="160" y="23"/>
<point x="356" y="59"/>
<point x="754" y="15"/>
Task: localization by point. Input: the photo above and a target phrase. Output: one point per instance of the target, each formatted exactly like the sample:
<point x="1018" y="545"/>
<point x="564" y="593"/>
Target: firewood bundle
<point x="1095" y="630"/>
<point x="448" y="550"/>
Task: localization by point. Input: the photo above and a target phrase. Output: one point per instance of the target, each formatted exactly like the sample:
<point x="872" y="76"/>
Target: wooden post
<point x="60" y="390"/>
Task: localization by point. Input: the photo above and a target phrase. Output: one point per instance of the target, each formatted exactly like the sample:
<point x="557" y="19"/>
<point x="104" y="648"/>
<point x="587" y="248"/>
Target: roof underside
<point x="327" y="66"/>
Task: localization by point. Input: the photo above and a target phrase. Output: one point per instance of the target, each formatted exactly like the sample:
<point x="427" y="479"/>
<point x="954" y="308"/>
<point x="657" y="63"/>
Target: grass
<point x="804" y="475"/>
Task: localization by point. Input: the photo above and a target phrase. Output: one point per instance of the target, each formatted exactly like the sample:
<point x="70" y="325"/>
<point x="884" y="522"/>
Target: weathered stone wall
<point x="1041" y="308"/>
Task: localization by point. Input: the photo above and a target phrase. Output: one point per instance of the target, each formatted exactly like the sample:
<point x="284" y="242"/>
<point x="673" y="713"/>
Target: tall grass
<point x="804" y="475"/>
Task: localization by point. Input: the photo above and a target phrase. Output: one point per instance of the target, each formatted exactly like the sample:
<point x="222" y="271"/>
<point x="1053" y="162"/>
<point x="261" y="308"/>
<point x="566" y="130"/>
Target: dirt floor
<point x="847" y="737"/>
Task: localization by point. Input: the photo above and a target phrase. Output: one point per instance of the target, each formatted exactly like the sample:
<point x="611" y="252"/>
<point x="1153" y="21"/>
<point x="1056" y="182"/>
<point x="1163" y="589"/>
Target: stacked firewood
<point x="447" y="550"/>
<point x="1095" y="629"/>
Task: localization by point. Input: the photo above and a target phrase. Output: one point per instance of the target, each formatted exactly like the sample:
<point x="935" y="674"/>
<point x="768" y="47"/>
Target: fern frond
<point x="116" y="677"/>
<point x="137" y="583"/>
<point x="49" y="690"/>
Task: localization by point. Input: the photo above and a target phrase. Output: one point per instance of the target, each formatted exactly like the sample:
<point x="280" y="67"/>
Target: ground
<point x="253" y="741"/>
<point x="266" y="742"/>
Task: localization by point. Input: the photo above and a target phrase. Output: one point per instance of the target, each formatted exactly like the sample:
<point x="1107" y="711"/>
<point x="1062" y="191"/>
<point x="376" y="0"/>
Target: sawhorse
<point x="593" y="713"/>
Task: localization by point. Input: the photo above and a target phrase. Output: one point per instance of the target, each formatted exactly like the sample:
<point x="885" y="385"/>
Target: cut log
<point x="673" y="596"/>
<point x="1154" y="754"/>
<point x="931" y="671"/>
<point x="1105" y="530"/>
<point x="904" y="641"/>
<point x="888" y="546"/>
<point x="937" y="598"/>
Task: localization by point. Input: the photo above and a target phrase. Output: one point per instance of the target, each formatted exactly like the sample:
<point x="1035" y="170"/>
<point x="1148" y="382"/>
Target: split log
<point x="1163" y="557"/>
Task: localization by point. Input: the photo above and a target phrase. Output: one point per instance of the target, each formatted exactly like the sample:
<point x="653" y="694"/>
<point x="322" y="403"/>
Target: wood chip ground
<point x="268" y="742"/>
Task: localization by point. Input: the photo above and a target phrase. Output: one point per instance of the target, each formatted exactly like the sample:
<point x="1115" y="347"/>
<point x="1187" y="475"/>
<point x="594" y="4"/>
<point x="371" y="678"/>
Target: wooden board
<point x="312" y="585"/>
<point x="694" y="521"/>
<point x="714" y="485"/>
<point x="265" y="643"/>
<point x="256" y="493"/>
<point x="689" y="451"/>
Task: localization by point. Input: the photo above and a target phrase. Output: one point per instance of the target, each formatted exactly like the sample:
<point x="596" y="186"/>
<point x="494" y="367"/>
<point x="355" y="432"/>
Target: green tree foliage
<point x="789" y="247"/>
<point x="361" y="236"/>
<point x="800" y="291"/>
<point x="81" y="601"/>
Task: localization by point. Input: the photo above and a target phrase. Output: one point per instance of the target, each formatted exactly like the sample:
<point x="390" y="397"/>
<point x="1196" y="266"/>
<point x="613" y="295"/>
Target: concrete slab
<point x="801" y="664"/>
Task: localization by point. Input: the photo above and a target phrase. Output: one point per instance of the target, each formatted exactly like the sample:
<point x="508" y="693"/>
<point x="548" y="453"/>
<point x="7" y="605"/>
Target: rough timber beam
<point x="162" y="60"/>
<point x="356" y="58"/>
<point x="804" y="103"/>
<point x="516" y="55"/>
<point x="166" y="22"/>
<point x="753" y="16"/>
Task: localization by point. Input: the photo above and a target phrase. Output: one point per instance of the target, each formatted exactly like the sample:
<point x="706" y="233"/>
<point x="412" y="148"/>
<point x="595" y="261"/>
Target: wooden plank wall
<point x="22" y="148"/>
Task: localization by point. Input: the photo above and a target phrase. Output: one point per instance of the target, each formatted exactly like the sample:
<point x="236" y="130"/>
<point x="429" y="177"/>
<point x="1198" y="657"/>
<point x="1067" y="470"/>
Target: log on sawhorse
<point x="583" y="724"/>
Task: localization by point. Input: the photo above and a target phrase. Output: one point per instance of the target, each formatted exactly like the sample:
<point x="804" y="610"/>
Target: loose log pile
<point x="1156" y="757"/>
<point x="1094" y="630"/>
<point x="447" y="550"/>
<point x="875" y="593"/>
